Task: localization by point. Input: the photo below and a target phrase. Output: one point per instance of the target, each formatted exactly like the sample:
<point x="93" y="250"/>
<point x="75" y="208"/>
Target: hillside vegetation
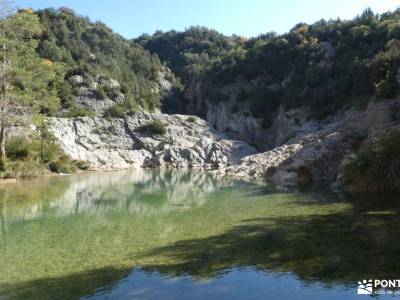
<point x="90" y="50"/>
<point x="324" y="66"/>
<point x="64" y="65"/>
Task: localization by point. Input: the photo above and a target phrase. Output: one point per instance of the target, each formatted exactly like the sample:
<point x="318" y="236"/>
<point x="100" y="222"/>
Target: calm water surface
<point x="189" y="235"/>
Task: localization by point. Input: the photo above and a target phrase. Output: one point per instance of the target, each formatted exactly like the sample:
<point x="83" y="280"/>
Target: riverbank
<point x="314" y="155"/>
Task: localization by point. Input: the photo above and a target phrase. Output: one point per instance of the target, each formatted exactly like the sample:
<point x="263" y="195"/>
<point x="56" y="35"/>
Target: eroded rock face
<point x="234" y="118"/>
<point x="317" y="149"/>
<point x="312" y="157"/>
<point x="120" y="144"/>
<point x="301" y="150"/>
<point x="101" y="92"/>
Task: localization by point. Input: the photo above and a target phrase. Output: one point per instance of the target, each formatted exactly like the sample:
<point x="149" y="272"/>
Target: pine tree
<point x="24" y="76"/>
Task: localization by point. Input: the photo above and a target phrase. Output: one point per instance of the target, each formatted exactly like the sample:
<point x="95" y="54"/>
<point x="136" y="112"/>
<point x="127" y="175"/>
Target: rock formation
<point x="120" y="143"/>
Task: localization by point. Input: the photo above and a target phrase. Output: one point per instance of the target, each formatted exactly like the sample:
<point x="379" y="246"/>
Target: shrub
<point x="375" y="166"/>
<point x="81" y="164"/>
<point x="191" y="119"/>
<point x="119" y="110"/>
<point x="99" y="93"/>
<point x="116" y="111"/>
<point x="386" y="88"/>
<point x="304" y="175"/>
<point x="266" y="122"/>
<point x="62" y="165"/>
<point x="234" y="109"/>
<point x="77" y="111"/>
<point x="22" y="169"/>
<point x="155" y="127"/>
<point x="111" y="92"/>
<point x="17" y="148"/>
<point x="394" y="110"/>
<point x="242" y="96"/>
<point x="28" y="158"/>
<point x="2" y="165"/>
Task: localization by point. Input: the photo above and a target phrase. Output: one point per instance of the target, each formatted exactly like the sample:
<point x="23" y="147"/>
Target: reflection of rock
<point x="130" y="191"/>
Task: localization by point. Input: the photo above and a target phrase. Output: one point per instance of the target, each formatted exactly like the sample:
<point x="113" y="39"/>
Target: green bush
<point x="386" y="88"/>
<point x="394" y="110"/>
<point x="81" y="165"/>
<point x="155" y="127"/>
<point x="266" y="122"/>
<point x="22" y="169"/>
<point x="119" y="110"/>
<point x="89" y="49"/>
<point x="30" y="158"/>
<point x="375" y="166"/>
<point x="234" y="109"/>
<point x="99" y="93"/>
<point x="17" y="148"/>
<point x="2" y="165"/>
<point x="242" y="96"/>
<point x="62" y="166"/>
<point x="191" y="119"/>
<point x="77" y="111"/>
<point x="116" y="111"/>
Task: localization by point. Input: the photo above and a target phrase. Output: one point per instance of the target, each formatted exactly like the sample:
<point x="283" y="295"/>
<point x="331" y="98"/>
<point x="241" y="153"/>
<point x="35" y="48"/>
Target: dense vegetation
<point x="31" y="157"/>
<point x="375" y="166"/>
<point x="92" y="49"/>
<point x="155" y="127"/>
<point x="59" y="58"/>
<point x="191" y="53"/>
<point x="325" y="66"/>
<point x="53" y="58"/>
<point x="29" y="91"/>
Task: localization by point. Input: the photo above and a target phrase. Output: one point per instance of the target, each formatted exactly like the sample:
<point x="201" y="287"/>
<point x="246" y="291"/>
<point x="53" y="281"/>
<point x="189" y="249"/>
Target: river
<point x="146" y="234"/>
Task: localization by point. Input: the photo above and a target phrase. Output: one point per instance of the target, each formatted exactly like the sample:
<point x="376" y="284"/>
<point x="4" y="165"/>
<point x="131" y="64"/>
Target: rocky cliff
<point x="119" y="143"/>
<point x="316" y="149"/>
<point x="305" y="152"/>
<point x="236" y="120"/>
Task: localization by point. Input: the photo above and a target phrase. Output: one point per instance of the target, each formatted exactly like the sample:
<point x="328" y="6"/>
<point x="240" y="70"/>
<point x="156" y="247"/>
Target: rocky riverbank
<point x="313" y="153"/>
<point x="189" y="142"/>
<point x="317" y="149"/>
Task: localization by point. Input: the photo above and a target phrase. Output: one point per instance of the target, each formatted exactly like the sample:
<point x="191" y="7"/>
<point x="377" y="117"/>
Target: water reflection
<point x="243" y="283"/>
<point x="179" y="235"/>
<point x="140" y="191"/>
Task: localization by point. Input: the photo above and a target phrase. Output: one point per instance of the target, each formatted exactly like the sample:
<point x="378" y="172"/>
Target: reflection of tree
<point x="3" y="224"/>
<point x="28" y="199"/>
<point x="327" y="245"/>
<point x="137" y="191"/>
<point x="71" y="286"/>
<point x="253" y="226"/>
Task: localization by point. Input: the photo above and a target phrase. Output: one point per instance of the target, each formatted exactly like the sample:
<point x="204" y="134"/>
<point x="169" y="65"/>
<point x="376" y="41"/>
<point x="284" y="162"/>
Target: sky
<point x="248" y="18"/>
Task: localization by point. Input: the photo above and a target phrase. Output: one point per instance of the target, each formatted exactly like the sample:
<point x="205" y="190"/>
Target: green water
<point x="183" y="235"/>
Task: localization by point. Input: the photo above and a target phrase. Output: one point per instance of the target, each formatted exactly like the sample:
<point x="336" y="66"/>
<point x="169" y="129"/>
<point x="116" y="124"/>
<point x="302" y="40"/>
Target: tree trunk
<point x="2" y="147"/>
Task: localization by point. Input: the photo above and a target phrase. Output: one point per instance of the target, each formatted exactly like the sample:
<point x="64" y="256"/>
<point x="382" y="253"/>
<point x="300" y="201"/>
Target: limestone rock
<point x="119" y="144"/>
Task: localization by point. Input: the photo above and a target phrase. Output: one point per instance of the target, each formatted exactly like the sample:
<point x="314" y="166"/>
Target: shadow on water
<point x="72" y="286"/>
<point x="338" y="248"/>
<point x="331" y="247"/>
<point x="363" y="242"/>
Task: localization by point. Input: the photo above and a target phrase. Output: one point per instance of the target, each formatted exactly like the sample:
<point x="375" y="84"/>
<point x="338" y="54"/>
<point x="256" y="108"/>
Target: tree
<point x="24" y="77"/>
